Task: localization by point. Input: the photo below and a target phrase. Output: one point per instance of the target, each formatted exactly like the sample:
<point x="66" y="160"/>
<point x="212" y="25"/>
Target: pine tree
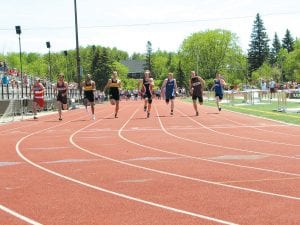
<point x="276" y="46"/>
<point x="101" y="67"/>
<point x="180" y="76"/>
<point x="288" y="41"/>
<point x="259" y="47"/>
<point x="149" y="57"/>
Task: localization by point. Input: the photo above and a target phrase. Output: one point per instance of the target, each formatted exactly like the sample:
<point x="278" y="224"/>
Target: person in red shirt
<point x="38" y="97"/>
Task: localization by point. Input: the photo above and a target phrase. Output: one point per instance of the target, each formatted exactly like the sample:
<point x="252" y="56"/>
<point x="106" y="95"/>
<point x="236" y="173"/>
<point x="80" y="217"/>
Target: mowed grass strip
<point x="264" y="109"/>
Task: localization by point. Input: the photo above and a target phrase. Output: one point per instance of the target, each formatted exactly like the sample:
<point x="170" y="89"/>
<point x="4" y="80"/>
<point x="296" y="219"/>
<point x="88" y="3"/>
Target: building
<point x="135" y="68"/>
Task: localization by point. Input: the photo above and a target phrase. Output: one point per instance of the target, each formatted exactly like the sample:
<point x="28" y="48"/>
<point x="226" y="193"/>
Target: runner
<point x="196" y="89"/>
<point x="146" y="85"/>
<point x="38" y="97"/>
<point x="61" y="90"/>
<point x="218" y="88"/>
<point x="114" y="85"/>
<point x="170" y="87"/>
<point x="89" y="87"/>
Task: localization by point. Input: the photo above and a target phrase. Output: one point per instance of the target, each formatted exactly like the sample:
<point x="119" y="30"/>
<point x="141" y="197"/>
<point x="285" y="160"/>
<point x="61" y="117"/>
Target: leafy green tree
<point x="291" y="63"/>
<point x="288" y="41"/>
<point x="259" y="47"/>
<point x="209" y="52"/>
<point x="276" y="46"/>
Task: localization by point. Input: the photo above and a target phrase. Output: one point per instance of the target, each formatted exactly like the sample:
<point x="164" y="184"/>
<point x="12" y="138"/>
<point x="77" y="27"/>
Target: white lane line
<point x="246" y="138"/>
<point x="191" y="178"/>
<point x="219" y="146"/>
<point x="19" y="216"/>
<point x="199" y="158"/>
<point x="109" y="191"/>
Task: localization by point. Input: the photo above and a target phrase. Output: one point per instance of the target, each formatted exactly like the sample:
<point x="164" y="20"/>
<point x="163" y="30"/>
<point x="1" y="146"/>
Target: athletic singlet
<point x="88" y="87"/>
<point x="170" y="85"/>
<point x="114" y="87"/>
<point x="146" y="86"/>
<point x="61" y="88"/>
<point x="218" y="86"/>
<point x="197" y="86"/>
<point x="38" y="91"/>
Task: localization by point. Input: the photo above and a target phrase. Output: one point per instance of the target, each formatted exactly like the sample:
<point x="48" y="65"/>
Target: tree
<point x="259" y="47"/>
<point x="180" y="77"/>
<point x="276" y="46"/>
<point x="288" y="41"/>
<point x="101" y="67"/>
<point x="210" y="52"/>
<point x="149" y="57"/>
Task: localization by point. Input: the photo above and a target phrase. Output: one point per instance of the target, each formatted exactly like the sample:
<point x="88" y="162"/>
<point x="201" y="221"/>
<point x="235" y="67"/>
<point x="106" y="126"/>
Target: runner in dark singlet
<point x="169" y="88"/>
<point x="218" y="88"/>
<point x="61" y="90"/>
<point x="196" y="89"/>
<point x="146" y="84"/>
<point x="114" y="85"/>
<point x="89" y="87"/>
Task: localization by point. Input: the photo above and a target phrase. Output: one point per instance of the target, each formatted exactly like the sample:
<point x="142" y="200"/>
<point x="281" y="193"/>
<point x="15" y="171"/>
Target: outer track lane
<point x="120" y="152"/>
<point x="88" y="171"/>
<point x="153" y="220"/>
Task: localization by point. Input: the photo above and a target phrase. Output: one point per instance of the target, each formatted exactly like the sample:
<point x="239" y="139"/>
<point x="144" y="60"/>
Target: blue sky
<point x="128" y="25"/>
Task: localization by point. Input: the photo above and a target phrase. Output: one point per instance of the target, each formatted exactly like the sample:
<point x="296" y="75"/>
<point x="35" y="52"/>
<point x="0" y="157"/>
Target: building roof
<point x="134" y="66"/>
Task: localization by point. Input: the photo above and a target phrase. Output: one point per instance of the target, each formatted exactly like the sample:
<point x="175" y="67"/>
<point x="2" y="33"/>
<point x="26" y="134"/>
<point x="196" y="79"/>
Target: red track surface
<point x="218" y="168"/>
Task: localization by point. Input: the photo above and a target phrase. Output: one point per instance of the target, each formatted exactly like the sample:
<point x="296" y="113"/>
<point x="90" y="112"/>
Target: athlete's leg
<point x="117" y="109"/>
<point x="59" y="108"/>
<point x="172" y="106"/>
<point x="195" y="106"/>
<point x="217" y="102"/>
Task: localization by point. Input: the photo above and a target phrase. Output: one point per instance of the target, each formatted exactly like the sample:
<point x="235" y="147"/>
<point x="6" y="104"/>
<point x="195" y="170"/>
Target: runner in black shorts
<point x="89" y="87"/>
<point x="196" y="90"/>
<point x="114" y="85"/>
<point x="146" y="91"/>
<point x="61" y="90"/>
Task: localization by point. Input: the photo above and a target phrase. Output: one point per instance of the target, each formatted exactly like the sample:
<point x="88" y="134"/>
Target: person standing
<point x="218" y="86"/>
<point x="114" y="85"/>
<point x="89" y="87"/>
<point x="170" y="87"/>
<point x="38" y="97"/>
<point x="146" y="84"/>
<point x="272" y="86"/>
<point x="61" y="90"/>
<point x="196" y="89"/>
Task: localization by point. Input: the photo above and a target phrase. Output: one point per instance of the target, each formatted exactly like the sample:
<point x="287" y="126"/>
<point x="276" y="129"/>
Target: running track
<point x="217" y="168"/>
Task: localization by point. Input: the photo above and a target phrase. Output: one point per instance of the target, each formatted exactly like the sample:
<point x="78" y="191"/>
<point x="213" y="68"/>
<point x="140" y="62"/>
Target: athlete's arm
<point x="163" y="85"/>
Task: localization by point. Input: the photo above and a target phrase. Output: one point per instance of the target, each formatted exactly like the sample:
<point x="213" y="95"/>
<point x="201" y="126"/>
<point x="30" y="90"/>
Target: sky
<point x="129" y="24"/>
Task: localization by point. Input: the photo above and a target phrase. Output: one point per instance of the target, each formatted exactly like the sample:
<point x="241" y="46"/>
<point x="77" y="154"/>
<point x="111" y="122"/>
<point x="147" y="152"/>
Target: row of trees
<point x="207" y="52"/>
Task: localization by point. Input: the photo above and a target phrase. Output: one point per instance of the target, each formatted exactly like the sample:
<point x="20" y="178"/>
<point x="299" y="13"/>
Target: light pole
<point x="49" y="58"/>
<point x="77" y="48"/>
<point x="18" y="31"/>
<point x="66" y="54"/>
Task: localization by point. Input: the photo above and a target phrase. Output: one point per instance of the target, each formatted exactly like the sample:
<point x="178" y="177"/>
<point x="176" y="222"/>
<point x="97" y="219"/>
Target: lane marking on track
<point x="19" y="216"/>
<point x="221" y="146"/>
<point x="242" y="137"/>
<point x="109" y="191"/>
<point x="191" y="178"/>
<point x="260" y="180"/>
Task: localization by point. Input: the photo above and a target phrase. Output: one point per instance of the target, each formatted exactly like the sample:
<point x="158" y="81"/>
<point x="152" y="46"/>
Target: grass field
<point x="265" y="109"/>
